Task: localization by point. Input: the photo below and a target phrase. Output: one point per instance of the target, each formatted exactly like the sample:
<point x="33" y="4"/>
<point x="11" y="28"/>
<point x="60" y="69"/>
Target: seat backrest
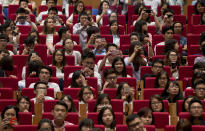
<point x="29" y="92"/>
<point x="6" y="93"/>
<point x="70" y="60"/>
<point x="191" y="59"/>
<point x="161" y="119"/>
<point x="8" y="82"/>
<point x="6" y="102"/>
<point x="196" y="19"/>
<point x="25" y="118"/>
<point x="194" y="50"/>
<point x="25" y="128"/>
<point x="197" y="29"/>
<point x="151" y="91"/>
<point x="198" y="128"/>
<point x="148" y="70"/>
<point x="45" y="8"/>
<point x="170" y="128"/>
<point x="185" y="71"/>
<point x="70" y="69"/>
<point x="73" y="92"/>
<point x="23" y="29"/>
<point x="111" y="92"/>
<point x="106" y="30"/>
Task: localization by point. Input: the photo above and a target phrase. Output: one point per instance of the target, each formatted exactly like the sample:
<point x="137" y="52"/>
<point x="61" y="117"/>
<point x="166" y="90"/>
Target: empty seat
<point x="170" y="128"/>
<point x="151" y="91"/>
<point x="111" y="92"/>
<point x="161" y="119"/>
<point x="23" y="29"/>
<point x="6" y="93"/>
<point x="20" y="60"/>
<point x="196" y="19"/>
<point x="6" y="102"/>
<point x="8" y="82"/>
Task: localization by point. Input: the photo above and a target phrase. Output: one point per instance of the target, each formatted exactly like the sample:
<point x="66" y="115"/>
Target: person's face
<point x="83" y="19"/>
<point x="98" y="44"/>
<point x="107" y="118"/>
<point x="3" y="43"/>
<point x="145" y="15"/>
<point x="173" y="89"/>
<point x="50" y="23"/>
<point x="41" y="89"/>
<point x="200" y="8"/>
<point x="147" y="120"/>
<point x="44" y="75"/>
<point x="168" y="35"/>
<point x="59" y="113"/>
<point x="80" y="7"/>
<point x="173" y="57"/>
<point x="105" y="101"/>
<point x="88" y="62"/>
<point x="163" y="8"/>
<point x="68" y="45"/>
<point x="105" y="6"/>
<point x="200" y="91"/>
<point x="51" y="3"/>
<point x="68" y="102"/>
<point x="113" y="16"/>
<point x="10" y="113"/>
<point x="52" y="13"/>
<point x="85" y="128"/>
<point x="24" y="4"/>
<point x="119" y="66"/>
<point x="156" y="105"/>
<point x="186" y="104"/>
<point x="35" y="57"/>
<point x="162" y="81"/>
<point x="29" y="47"/>
<point x="114" y="27"/>
<point x="87" y="95"/>
<point x="144" y="27"/>
<point x="46" y="125"/>
<point x="169" y="19"/>
<point x="133" y="38"/>
<point x="67" y="34"/>
<point x="176" y="46"/>
<point x="79" y="81"/>
<point x="177" y="28"/>
<point x="59" y="57"/>
<point x="23" y="105"/>
<point x="196" y="109"/>
<point x="203" y="17"/>
<point x="136" y="125"/>
<point x="112" y="79"/>
<point x="157" y="67"/>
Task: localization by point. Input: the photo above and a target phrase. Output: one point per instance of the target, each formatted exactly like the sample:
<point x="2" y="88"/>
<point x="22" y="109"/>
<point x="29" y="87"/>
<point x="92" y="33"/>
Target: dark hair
<point x="144" y="112"/>
<point x="135" y="34"/>
<point x="159" y="98"/>
<point x="165" y="94"/>
<point x="45" y="121"/>
<point x="183" y="125"/>
<point x="99" y="100"/>
<point x="100" y="115"/>
<point x="148" y="18"/>
<point x="75" y="76"/>
<point x="138" y="27"/>
<point x="137" y="7"/>
<point x="80" y="94"/>
<point x="85" y="122"/>
<point x="53" y="9"/>
<point x="55" y="1"/>
<point x="23" y="1"/>
<point x="108" y="72"/>
<point x="101" y="5"/>
<point x="45" y="28"/>
<point x="119" y="89"/>
<point x="3" y="36"/>
<point x="62" y="103"/>
<point x="71" y="1"/>
<point x="39" y="82"/>
<point x="72" y="109"/>
<point x="47" y="68"/>
<point x="158" y="77"/>
<point x="167" y="60"/>
<point x="124" y="71"/>
<point x="164" y="3"/>
<point x="158" y="61"/>
<point x="66" y="40"/>
<point x="63" y="63"/>
<point x="75" y="11"/>
<point x="166" y="28"/>
<point x="38" y="36"/>
<point x="168" y="10"/>
<point x="4" y="51"/>
<point x="10" y="107"/>
<point x="26" y="98"/>
<point x="130" y="118"/>
<point x="169" y="45"/>
<point x="191" y="102"/>
<point x="195" y="7"/>
<point x="29" y="41"/>
<point x="62" y="30"/>
<point x="183" y="104"/>
<point x="81" y="14"/>
<point x="202" y="38"/>
<point x="199" y="65"/>
<point x="87" y="55"/>
<point x="111" y="23"/>
<point x="97" y="37"/>
<point x="20" y="10"/>
<point x="109" y="45"/>
<point x="198" y="83"/>
<point x="29" y="57"/>
<point x="196" y="76"/>
<point x="92" y="30"/>
<point x="6" y="63"/>
<point x="202" y="22"/>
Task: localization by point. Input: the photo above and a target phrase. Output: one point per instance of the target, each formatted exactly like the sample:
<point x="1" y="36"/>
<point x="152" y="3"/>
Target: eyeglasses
<point x="27" y="103"/>
<point x="203" y="89"/>
<point x="87" y="93"/>
<point x="47" y="73"/>
<point x="112" y="78"/>
<point x="43" y="88"/>
<point x="173" y="55"/>
<point x="196" y="107"/>
<point x="157" y="66"/>
<point x="156" y="103"/>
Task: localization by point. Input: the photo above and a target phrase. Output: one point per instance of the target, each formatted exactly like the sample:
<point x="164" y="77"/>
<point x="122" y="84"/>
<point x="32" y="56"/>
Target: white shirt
<point x="77" y="56"/>
<point x="39" y="18"/>
<point x="46" y="98"/>
<point x="50" y="85"/>
<point x="107" y="63"/>
<point x="148" y="2"/>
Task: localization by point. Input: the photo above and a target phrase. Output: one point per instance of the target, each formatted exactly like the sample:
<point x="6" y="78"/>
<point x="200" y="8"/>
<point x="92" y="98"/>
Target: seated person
<point x="99" y="46"/>
<point x="29" y="43"/>
<point x="6" y="64"/>
<point x="199" y="89"/>
<point x="168" y="19"/>
<point x="3" y="52"/>
<point x="135" y="123"/>
<point x="78" y="80"/>
<point x="45" y="125"/>
<point x="86" y="125"/>
<point x="156" y="103"/>
<point x="167" y="32"/>
<point x="201" y="58"/>
<point x="40" y="89"/>
<point x="45" y="74"/>
<point x="157" y="66"/>
<point x="69" y="102"/>
<point x="60" y="112"/>
<point x="195" y="111"/>
<point x="92" y="32"/>
<point x="24" y="104"/>
<point x="68" y="46"/>
<point x="3" y="43"/>
<point x="24" y="4"/>
<point x="146" y="116"/>
<point x="102" y="101"/>
<point x="199" y="67"/>
<point x="85" y="94"/>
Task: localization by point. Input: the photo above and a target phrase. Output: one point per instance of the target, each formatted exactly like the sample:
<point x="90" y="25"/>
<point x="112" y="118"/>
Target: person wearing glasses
<point x="134" y="123"/>
<point x="199" y="89"/>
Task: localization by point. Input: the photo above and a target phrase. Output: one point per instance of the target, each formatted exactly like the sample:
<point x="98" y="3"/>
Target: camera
<point x="169" y="16"/>
<point x="148" y="11"/>
<point x="22" y="17"/>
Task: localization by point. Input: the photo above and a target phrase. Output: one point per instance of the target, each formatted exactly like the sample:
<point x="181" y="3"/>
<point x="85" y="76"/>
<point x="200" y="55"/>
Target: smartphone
<point x="13" y="121"/>
<point x="174" y="65"/>
<point x="148" y="11"/>
<point x="22" y="17"/>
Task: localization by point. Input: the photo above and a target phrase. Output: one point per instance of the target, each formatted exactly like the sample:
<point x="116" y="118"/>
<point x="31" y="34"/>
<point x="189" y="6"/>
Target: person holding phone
<point x="168" y="19"/>
<point x="9" y="117"/>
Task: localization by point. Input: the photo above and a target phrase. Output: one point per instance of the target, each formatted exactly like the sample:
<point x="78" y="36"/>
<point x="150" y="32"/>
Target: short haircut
<point x="198" y="83"/>
<point x="199" y="65"/>
<point x="62" y="30"/>
<point x="80" y="94"/>
<point x="168" y="10"/>
<point x="166" y="28"/>
<point x="131" y="118"/>
<point x="3" y="36"/>
<point x="87" y="123"/>
<point x="30" y="40"/>
<point x="23" y="1"/>
<point x="39" y="82"/>
<point x="158" y="61"/>
<point x="97" y="37"/>
<point x="62" y="103"/>
<point x="53" y="9"/>
<point x="193" y="101"/>
<point x="82" y="13"/>
<point x="7" y="108"/>
<point x="20" y="10"/>
<point x="108" y="72"/>
<point x="55" y="1"/>
<point x="45" y="121"/>
<point x="109" y="45"/>
<point x="88" y="55"/>
<point x="47" y="68"/>
<point x="92" y="30"/>
<point x="136" y="34"/>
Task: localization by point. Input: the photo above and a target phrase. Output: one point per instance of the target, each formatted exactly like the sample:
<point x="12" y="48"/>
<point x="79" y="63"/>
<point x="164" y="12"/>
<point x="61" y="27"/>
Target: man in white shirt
<point x="167" y="34"/>
<point x="45" y="74"/>
<point x="49" y="3"/>
<point x="40" y="89"/>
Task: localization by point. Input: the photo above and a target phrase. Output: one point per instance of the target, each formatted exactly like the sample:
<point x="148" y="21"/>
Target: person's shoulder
<point x="31" y="85"/>
<point x="68" y="123"/>
<point x="49" y="98"/>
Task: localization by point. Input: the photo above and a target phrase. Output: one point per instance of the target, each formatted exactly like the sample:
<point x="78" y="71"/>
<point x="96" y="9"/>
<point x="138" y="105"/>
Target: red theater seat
<point x="185" y="71"/>
<point x="151" y="91"/>
<point x="170" y="128"/>
<point x="8" y="82"/>
<point x="191" y="59"/>
<point x="25" y="118"/>
<point x="25" y="128"/>
<point x="6" y="102"/>
<point x="6" y="93"/>
<point x="111" y="92"/>
<point x="70" y="69"/>
<point x="161" y="119"/>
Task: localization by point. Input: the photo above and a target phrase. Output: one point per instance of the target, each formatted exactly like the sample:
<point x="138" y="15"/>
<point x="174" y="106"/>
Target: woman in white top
<point x="103" y="10"/>
<point x="114" y="31"/>
<point x="66" y="4"/>
<point x="49" y="31"/>
<point x="79" y="8"/>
